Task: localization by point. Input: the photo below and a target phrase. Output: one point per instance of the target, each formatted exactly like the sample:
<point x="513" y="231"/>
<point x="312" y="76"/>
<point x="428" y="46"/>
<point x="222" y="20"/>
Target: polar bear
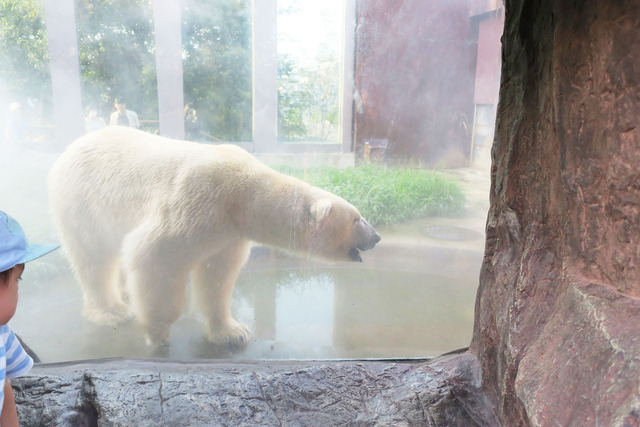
<point x="156" y="211"/>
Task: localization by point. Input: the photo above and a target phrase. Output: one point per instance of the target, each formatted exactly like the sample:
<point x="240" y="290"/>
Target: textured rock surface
<point x="123" y="392"/>
<point x="557" y="311"/>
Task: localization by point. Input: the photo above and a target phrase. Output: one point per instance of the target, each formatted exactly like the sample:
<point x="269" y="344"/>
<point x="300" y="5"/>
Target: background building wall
<point x="415" y="72"/>
<point x="556" y="326"/>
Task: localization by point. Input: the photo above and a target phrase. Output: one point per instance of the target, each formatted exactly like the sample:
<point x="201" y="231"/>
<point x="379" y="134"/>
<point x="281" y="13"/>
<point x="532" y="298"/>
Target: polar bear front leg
<point x="213" y="281"/>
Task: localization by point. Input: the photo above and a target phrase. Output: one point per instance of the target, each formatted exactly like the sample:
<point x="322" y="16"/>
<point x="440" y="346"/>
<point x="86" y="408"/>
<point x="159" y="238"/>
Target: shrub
<point x="388" y="195"/>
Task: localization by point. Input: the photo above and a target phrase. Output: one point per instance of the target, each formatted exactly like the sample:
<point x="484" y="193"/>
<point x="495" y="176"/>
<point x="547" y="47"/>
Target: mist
<point x="423" y="85"/>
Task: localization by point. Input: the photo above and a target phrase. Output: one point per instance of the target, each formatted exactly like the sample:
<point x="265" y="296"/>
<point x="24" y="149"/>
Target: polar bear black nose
<point x="371" y="242"/>
<point x="370" y="236"/>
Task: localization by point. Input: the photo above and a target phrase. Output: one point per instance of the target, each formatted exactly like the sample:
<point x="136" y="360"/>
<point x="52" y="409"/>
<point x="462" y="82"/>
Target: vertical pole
<point x="347" y="80"/>
<point x="66" y="83"/>
<point x="167" y="15"/>
<point x="265" y="76"/>
<point x="473" y="133"/>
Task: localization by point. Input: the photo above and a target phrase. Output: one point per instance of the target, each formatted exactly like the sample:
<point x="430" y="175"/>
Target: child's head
<point x="15" y="251"/>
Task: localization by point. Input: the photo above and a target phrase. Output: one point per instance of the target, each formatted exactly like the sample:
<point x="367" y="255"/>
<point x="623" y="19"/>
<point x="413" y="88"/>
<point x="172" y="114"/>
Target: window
<point x="309" y="64"/>
<point x="217" y="69"/>
<point x="374" y="103"/>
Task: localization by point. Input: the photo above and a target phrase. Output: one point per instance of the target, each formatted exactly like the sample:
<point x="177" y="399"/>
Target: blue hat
<point x="14" y="246"/>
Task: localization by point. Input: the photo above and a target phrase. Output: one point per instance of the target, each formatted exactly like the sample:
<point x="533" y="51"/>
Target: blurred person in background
<point x="92" y="121"/>
<point x="191" y="123"/>
<point x="122" y="116"/>
<point x="17" y="126"/>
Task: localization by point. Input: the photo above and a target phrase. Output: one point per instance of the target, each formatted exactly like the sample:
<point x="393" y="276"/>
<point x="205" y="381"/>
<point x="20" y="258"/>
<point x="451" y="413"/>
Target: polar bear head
<point x="338" y="231"/>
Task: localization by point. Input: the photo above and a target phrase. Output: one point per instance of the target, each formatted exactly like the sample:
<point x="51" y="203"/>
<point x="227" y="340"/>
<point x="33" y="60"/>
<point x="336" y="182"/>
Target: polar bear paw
<point x="231" y="334"/>
<point x="157" y="336"/>
<point x="107" y="316"/>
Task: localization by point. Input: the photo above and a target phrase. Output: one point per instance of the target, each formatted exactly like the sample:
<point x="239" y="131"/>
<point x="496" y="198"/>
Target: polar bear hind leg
<point x="212" y="282"/>
<point x="97" y="269"/>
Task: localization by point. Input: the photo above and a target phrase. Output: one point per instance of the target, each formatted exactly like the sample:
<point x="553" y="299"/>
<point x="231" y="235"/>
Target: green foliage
<point x="308" y="99"/>
<point x="117" y="57"/>
<point x="116" y="43"/>
<point x="309" y="83"/>
<point x="291" y="102"/>
<point x="217" y="66"/>
<point x="24" y="68"/>
<point x="386" y="195"/>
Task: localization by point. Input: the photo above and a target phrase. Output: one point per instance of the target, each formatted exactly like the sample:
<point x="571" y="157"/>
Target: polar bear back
<point x="118" y="167"/>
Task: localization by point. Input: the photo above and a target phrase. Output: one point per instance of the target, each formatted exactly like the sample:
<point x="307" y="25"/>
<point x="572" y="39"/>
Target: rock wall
<point x="121" y="392"/>
<point x="557" y="314"/>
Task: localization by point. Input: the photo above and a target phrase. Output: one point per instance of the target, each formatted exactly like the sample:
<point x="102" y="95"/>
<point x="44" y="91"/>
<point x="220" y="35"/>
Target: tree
<point x="308" y="98"/>
<point x="217" y="66"/>
<point x="117" y="48"/>
<point x="292" y="101"/>
<point x="308" y="70"/>
<point x="117" y="57"/>
<point x="24" y="67"/>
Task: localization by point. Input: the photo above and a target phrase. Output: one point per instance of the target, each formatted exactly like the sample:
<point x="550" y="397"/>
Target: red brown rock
<point x="557" y="326"/>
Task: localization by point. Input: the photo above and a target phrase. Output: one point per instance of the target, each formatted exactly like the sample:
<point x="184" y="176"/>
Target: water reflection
<point x="362" y="312"/>
<point x="295" y="313"/>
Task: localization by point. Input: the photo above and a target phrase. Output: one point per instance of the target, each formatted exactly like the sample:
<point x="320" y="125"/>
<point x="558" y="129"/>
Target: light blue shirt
<point x="14" y="361"/>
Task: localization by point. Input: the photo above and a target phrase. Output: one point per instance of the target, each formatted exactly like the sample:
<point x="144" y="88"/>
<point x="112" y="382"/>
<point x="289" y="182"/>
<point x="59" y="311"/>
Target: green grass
<point x="388" y="195"/>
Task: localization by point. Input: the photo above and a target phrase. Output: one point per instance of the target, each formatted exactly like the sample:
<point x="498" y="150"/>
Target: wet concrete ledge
<point x="119" y="392"/>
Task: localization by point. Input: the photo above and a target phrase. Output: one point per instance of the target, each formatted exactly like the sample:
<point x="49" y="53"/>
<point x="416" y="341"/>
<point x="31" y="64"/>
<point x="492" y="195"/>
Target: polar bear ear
<point x="320" y="209"/>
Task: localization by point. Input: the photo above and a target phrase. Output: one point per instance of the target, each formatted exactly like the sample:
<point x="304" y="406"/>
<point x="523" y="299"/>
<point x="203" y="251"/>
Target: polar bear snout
<point x="369" y="237"/>
<point x="365" y="237"/>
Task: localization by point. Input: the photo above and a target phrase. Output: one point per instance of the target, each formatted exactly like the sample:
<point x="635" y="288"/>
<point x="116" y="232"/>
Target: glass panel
<point x="25" y="83"/>
<point x="417" y="170"/>
<point x="309" y="41"/>
<point x="117" y="58"/>
<point x="217" y="70"/>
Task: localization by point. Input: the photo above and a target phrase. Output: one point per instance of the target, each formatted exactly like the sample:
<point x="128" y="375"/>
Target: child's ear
<point x="4" y="277"/>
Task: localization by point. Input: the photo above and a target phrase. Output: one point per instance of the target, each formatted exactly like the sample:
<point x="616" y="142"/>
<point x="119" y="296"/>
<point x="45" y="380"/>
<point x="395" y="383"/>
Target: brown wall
<point x="487" y="81"/>
<point x="415" y="70"/>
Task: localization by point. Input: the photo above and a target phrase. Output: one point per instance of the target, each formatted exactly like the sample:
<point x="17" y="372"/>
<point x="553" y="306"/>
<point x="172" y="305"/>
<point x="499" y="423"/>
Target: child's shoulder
<point x="6" y="335"/>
